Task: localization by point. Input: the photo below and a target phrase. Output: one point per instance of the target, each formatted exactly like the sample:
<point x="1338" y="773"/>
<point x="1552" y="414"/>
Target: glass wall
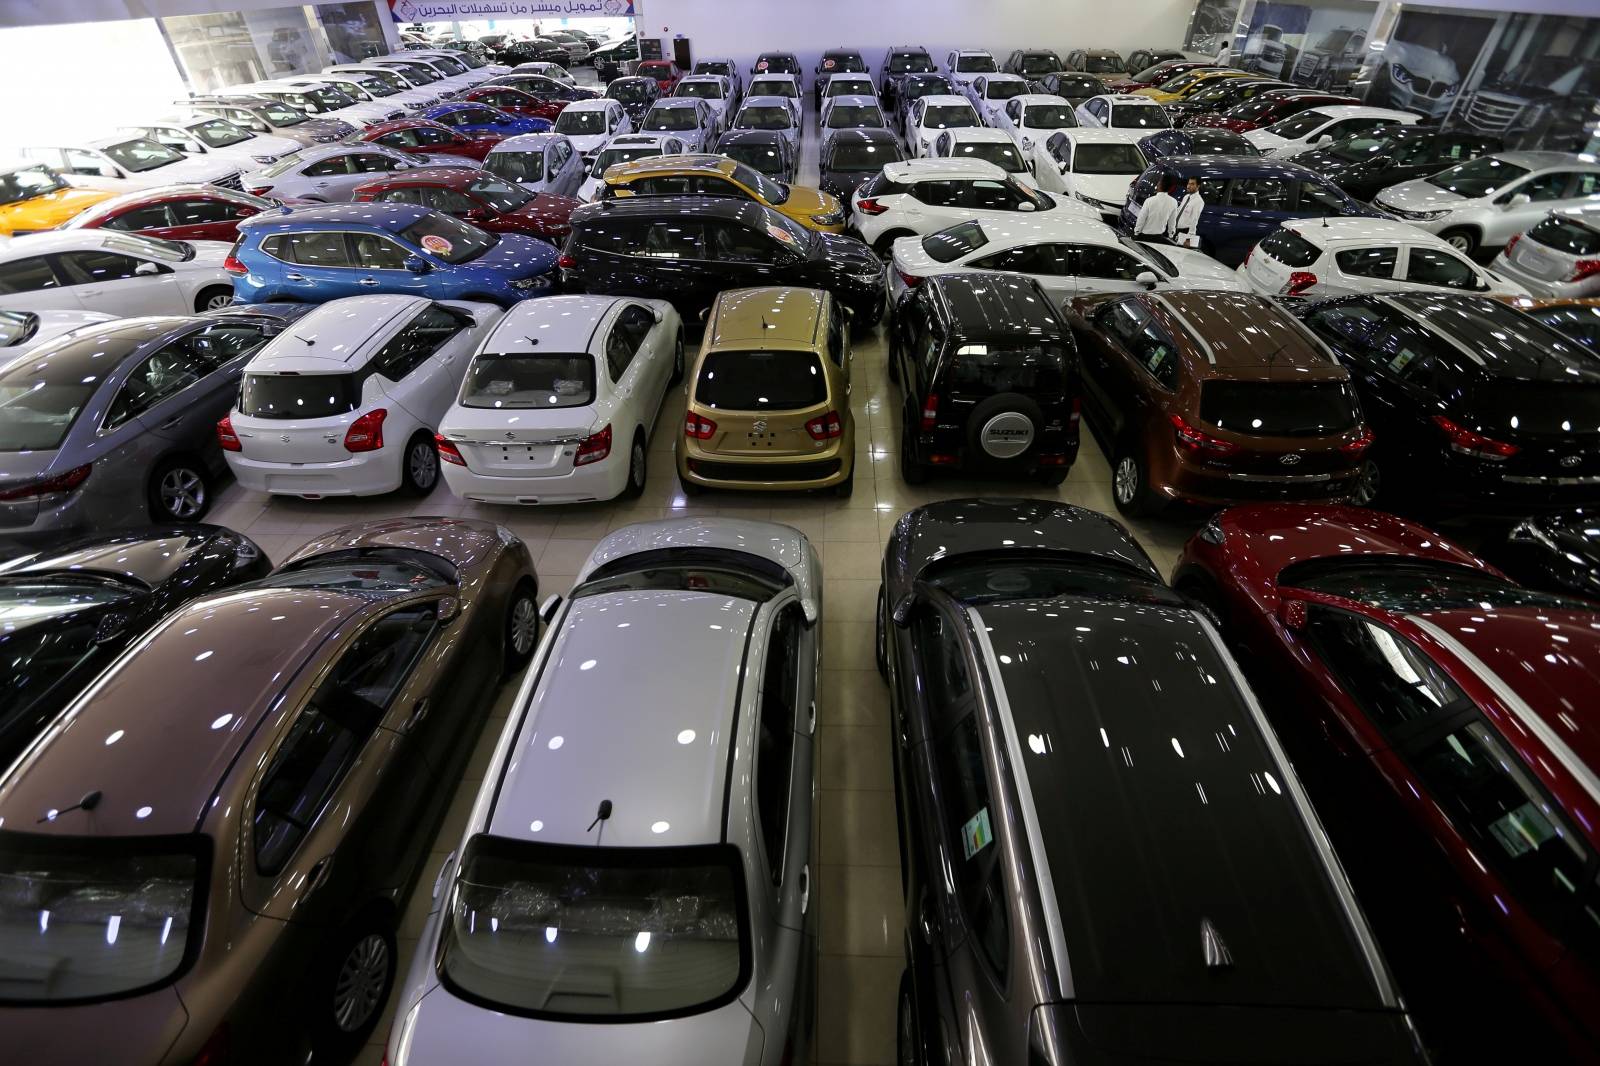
<point x="237" y="47"/>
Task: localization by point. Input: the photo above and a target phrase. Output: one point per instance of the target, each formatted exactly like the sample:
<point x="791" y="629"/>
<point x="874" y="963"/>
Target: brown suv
<point x="206" y="857"/>
<point x="1214" y="398"/>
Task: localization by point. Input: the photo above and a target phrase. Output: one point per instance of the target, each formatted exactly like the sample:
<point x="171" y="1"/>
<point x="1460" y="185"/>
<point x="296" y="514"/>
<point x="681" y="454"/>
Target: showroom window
<point x="235" y="47"/>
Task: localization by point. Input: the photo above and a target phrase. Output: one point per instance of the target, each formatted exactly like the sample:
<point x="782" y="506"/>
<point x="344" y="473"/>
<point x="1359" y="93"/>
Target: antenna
<point x="602" y="815"/>
<point x="90" y="801"/>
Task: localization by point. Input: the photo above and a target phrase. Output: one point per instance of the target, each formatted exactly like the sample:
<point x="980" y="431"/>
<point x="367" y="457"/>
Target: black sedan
<point x="687" y="249"/>
<point x="850" y="157"/>
<point x="1558" y="552"/>
<point x="768" y="151"/>
<point x="1367" y="163"/>
<point x="1212" y="99"/>
<point x="636" y="94"/>
<point x="1105" y="854"/>
<point x="72" y="610"/>
<point x="1198" y="140"/>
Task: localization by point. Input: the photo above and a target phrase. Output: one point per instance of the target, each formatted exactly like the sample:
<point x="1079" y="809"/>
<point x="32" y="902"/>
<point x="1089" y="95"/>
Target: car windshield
<point x="390" y="79"/>
<point x="498" y="193"/>
<point x="1147" y="251"/>
<point x="1280" y="408"/>
<point x="1103" y="65"/>
<point x="595" y="933"/>
<point x="17" y="327"/>
<point x="86" y="918"/>
<point x="516" y="166"/>
<point x="1298" y="126"/>
<point x="982" y="578"/>
<point x="1409" y="585"/>
<point x="542" y="380"/>
<point x="370" y="82"/>
<point x="951" y="244"/>
<point x="910" y="63"/>
<point x="766" y="158"/>
<point x="849" y="63"/>
<point x="39" y="401"/>
<point x="612" y="156"/>
<point x="29" y="182"/>
<point x="765" y="117"/>
<point x="975" y="64"/>
<point x="447" y="238"/>
<point x="630" y="91"/>
<point x="770" y="380"/>
<point x="300" y="396"/>
<point x="415" y="73"/>
<point x="575" y="123"/>
<point x="141" y="155"/>
<point x="672" y="118"/>
<point x="850" y="116"/>
<point x="1049" y="117"/>
<point x="774" y="87"/>
<point x="1078" y="88"/>
<point x="1039" y="63"/>
<point x="1002" y="154"/>
<point x="1089" y="157"/>
<point x="949" y="116"/>
<point x="1477" y="177"/>
<point x="705" y="90"/>
<point x="219" y="134"/>
<point x="1362" y="146"/>
<point x="714" y="66"/>
<point x="1138" y="117"/>
<point x="281" y="115"/>
<point x="926" y="86"/>
<point x="330" y="99"/>
<point x="1005" y="89"/>
<point x="860" y="157"/>
<point x="1567" y="235"/>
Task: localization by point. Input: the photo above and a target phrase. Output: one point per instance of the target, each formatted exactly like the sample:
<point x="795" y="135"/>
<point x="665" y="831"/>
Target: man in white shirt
<point x="1155" y="216"/>
<point x="1186" y="220"/>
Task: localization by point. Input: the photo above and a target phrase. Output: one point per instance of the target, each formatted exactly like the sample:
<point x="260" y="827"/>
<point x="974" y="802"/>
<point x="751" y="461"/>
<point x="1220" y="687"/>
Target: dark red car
<point x="484" y="199"/>
<point x="1264" y="110"/>
<point x="1448" y="727"/>
<point x="177" y="212"/>
<point x="540" y="86"/>
<point x="665" y="72"/>
<point x="516" y="101"/>
<point x="421" y="136"/>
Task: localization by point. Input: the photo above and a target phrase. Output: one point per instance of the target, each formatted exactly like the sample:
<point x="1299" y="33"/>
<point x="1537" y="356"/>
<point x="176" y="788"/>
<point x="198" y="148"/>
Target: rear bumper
<point x="45" y="520"/>
<point x="790" y="474"/>
<point x="1191" y="483"/>
<point x="604" y="480"/>
<point x="1544" y="287"/>
<point x="363" y="474"/>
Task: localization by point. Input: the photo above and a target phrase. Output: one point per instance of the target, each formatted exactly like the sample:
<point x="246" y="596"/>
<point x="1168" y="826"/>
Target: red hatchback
<point x="1264" y="110"/>
<point x="516" y="101"/>
<point x="176" y="212"/>
<point x="484" y="199"/>
<point x="664" y="71"/>
<point x="420" y="136"/>
<point x="1449" y="723"/>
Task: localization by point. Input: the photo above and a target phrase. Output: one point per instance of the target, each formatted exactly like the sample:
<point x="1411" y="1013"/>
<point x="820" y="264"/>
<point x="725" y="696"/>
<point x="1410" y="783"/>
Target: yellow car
<point x="34" y="197"/>
<point x="769" y="398"/>
<point x="1179" y="88"/>
<point x="716" y="175"/>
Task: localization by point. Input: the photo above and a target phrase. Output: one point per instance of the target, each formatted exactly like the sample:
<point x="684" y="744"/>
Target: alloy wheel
<point x="524" y="625"/>
<point x="636" y="466"/>
<point x="183" y="493"/>
<point x="219" y="301"/>
<point x="1126" y="482"/>
<point x="423" y="462"/>
<point x="1460" y="242"/>
<point x="1368" y="483"/>
<point x="360" y="985"/>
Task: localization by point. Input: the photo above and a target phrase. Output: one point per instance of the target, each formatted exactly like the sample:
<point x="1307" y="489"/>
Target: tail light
<point x="1199" y="442"/>
<point x="214" y="1052"/>
<point x="1583" y="268"/>
<point x="1299" y="282"/>
<point x="1077" y="411"/>
<point x="930" y="413"/>
<point x="261" y="191"/>
<point x="1248" y="254"/>
<point x="1467" y="442"/>
<point x="1357" y="447"/>
<point x="594" y="447"/>
<point x="1512" y="243"/>
<point x="60" y="483"/>
<point x="698" y="426"/>
<point x="366" y="433"/>
<point x="448" y="452"/>
<point x="870" y="206"/>
<point x="567" y="262"/>
<point x="911" y="280"/>
<point x="227" y="437"/>
<point x="826" y="427"/>
<point x="232" y="264"/>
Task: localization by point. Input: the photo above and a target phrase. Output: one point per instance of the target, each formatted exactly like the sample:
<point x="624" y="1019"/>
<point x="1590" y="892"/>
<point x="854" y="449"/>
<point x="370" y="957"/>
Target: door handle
<point x="419" y="711"/>
<point x="294" y="277"/>
<point x="320" y="184"/>
<point x="318" y="876"/>
<point x="171" y="422"/>
<point x="805" y="887"/>
<point x="367" y="281"/>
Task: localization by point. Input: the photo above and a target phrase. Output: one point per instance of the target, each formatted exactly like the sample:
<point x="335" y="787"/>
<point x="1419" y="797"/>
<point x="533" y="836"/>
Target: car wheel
<point x="885" y="245"/>
<point x="1129" y="486"/>
<point x="636" y="468"/>
<point x="911" y="471"/>
<point x="419" y="471"/>
<point x="179" y="491"/>
<point x="213" y="298"/>
<point x="842" y="489"/>
<point x="881" y="635"/>
<point x="355" y="983"/>
<point x="907" y="1037"/>
<point x="1369" y="484"/>
<point x="522" y="626"/>
<point x="677" y="359"/>
<point x="1462" y="240"/>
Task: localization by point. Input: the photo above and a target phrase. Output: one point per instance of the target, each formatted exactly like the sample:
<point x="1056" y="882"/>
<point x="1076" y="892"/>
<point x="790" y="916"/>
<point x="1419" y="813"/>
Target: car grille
<point x="230" y="181"/>
<point x="1485" y="111"/>
<point x="813" y="471"/>
<point x="1429" y="90"/>
<point x="396" y="113"/>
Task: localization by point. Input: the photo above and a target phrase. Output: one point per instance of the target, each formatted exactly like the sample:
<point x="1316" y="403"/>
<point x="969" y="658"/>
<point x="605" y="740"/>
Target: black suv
<point x="1031" y="63"/>
<point x="989" y="378"/>
<point x="636" y="95"/>
<point x="1105" y="853"/>
<point x="687" y="249"/>
<point x="1471" y="403"/>
<point x="778" y="63"/>
<point x="909" y="89"/>
<point x="899" y="61"/>
<point x="837" y="61"/>
<point x="1367" y="163"/>
<point x="849" y="157"/>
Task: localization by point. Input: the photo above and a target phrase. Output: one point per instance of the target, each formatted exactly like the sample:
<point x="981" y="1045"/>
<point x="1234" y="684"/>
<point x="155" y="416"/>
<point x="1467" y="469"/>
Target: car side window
<point x="714" y="185"/>
<point x="202" y="212"/>
<point x="1551" y="186"/>
<point x="1099" y="261"/>
<point x="372" y="163"/>
<point x="1261" y="194"/>
<point x="1145" y="341"/>
<point x="324" y="168"/>
<point x="1367" y="262"/>
<point x="1061" y="149"/>
<point x="620" y="348"/>
<point x="162" y="374"/>
<point x="414" y="345"/>
<point x="1014" y="110"/>
<point x="1430" y="266"/>
<point x="155" y="216"/>
<point x="1026" y="259"/>
<point x="1584" y="185"/>
<point x="836" y="338"/>
<point x="986" y="195"/>
<point x="373" y="252"/>
<point x="427" y="135"/>
<point x="677" y="239"/>
<point x="780" y="694"/>
<point x="327" y="737"/>
<point x="936" y="193"/>
<point x="410" y="195"/>
<point x="1317" y="199"/>
<point x="26" y="275"/>
<point x="449" y="201"/>
<point x="88" y="268"/>
<point x="970" y="822"/>
<point x="671" y="185"/>
<point x="947" y="685"/>
<point x="1398" y="687"/>
<point x="317" y="248"/>
<point x="399" y="139"/>
<point x="89" y="164"/>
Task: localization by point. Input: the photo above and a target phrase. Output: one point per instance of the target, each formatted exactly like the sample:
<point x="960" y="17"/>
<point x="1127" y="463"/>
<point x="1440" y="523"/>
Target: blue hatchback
<point x="473" y="119"/>
<point x="312" y="254"/>
<point x="1246" y="198"/>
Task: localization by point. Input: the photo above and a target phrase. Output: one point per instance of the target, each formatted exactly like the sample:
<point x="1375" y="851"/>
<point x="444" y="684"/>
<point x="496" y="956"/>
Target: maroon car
<point x="420" y="136"/>
<point x="517" y="101"/>
<point x="176" y="212"/>
<point x="484" y="199"/>
<point x="1447" y="724"/>
<point x="665" y="72"/>
<point x="1264" y="110"/>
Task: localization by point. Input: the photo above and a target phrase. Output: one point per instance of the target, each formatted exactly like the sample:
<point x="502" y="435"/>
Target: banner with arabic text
<point x="449" y="10"/>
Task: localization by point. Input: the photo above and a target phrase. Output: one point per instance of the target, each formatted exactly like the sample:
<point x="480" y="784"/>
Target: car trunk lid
<point x="294" y="417"/>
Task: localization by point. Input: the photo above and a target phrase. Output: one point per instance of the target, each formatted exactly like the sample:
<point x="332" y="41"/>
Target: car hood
<point x="804" y="202"/>
<point x="150" y="556"/>
<point x="843" y="183"/>
<point x="548" y="211"/>
<point x="953" y="527"/>
<point x="266" y="144"/>
<point x="521" y="257"/>
<point x="1113" y="188"/>
<point x="845" y="255"/>
<point x="47" y="211"/>
<point x="1419" y="196"/>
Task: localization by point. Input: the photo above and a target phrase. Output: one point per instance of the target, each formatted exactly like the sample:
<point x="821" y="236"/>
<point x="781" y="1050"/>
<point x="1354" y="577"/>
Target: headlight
<point x="832" y="218"/>
<point x="1413" y="216"/>
<point x="1102" y="205"/>
<point x="245" y="553"/>
<point x="1400" y="74"/>
<point x="265" y="159"/>
<point x="873" y="278"/>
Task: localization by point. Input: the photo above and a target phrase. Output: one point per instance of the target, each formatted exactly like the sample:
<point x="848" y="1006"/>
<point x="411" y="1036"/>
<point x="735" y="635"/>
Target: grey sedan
<point x="115" y="425"/>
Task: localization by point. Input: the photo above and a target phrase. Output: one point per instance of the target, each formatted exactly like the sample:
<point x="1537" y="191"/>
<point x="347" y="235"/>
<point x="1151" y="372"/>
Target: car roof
<point x="760" y="100"/>
<point x="772" y="316"/>
<point x="1102" y="135"/>
<point x="1502" y="342"/>
<point x="1549" y="160"/>
<point x="1231" y="166"/>
<point x="561" y="323"/>
<point x="852" y="99"/>
<point x="783" y="74"/>
<point x="1363" y="111"/>
<point x="525" y="142"/>
<point x="60" y="240"/>
<point x="449" y="177"/>
<point x="162" y="194"/>
<point x="1041" y="98"/>
<point x="372" y="132"/>
<point x="634" y="140"/>
<point x="1018" y="228"/>
<point x="727" y="207"/>
<point x="163" y="727"/>
<point x="1274" y="346"/>
<point x="86" y="348"/>
<point x="742" y="136"/>
<point x="933" y="169"/>
<point x="944" y="99"/>
<point x="979" y="133"/>
<point x="843" y="51"/>
<point x="107" y="142"/>
<point x="316" y="152"/>
<point x="337" y="335"/>
<point x="714" y="79"/>
<point x="1330" y="231"/>
<point x="384" y="216"/>
<point x="1117" y="99"/>
<point x="993" y="305"/>
<point x="600" y="727"/>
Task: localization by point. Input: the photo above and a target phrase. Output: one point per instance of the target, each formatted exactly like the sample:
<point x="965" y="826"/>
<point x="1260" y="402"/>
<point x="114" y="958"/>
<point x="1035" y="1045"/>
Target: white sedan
<point x="1343" y="256"/>
<point x="346" y="401"/>
<point x="559" y="402"/>
<point x="1033" y="117"/>
<point x="1067" y="255"/>
<point x="1324" y="125"/>
<point x="623" y="149"/>
<point x="1095" y="166"/>
<point x="195" y="133"/>
<point x="112" y="273"/>
<point x="329" y="173"/>
<point x="589" y="124"/>
<point x="931" y="115"/>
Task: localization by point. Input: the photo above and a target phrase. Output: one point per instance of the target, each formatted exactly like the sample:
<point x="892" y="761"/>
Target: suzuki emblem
<point x="511" y="436"/>
<point x="759" y="426"/>
<point x="284" y="438"/>
<point x="1570" y="461"/>
<point x="1289" y="460"/>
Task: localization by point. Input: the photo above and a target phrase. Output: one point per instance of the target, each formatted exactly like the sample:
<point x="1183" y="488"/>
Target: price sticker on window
<point x="435" y="244"/>
<point x="976" y="834"/>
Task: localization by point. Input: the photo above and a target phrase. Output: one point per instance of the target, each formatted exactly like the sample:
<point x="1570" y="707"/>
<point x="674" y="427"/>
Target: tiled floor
<point x="859" y="880"/>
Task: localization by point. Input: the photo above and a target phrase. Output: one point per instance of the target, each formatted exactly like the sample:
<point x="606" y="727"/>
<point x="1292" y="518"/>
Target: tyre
<point x="419" y="466"/>
<point x="352" y="986"/>
<point x="842" y="489"/>
<point x="179" y="491"/>
<point x="881" y="635"/>
<point x="907" y="1033"/>
<point x="1464" y="241"/>
<point x="213" y="297"/>
<point x="636" y="467"/>
<point x="522" y="626"/>
<point x="885" y="244"/>
<point x="1004" y="428"/>
<point x="1369" y="484"/>
<point x="677" y="360"/>
<point x="1130" y="487"/>
<point x="1053" y="477"/>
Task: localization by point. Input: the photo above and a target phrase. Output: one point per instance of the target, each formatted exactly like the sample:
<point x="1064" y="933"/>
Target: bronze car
<point x="1213" y="398"/>
<point x="205" y="858"/>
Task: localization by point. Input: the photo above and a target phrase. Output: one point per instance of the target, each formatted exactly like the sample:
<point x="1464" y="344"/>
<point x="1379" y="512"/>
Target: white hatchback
<point x="1093" y="165"/>
<point x="589" y="124"/>
<point x="625" y="149"/>
<point x="1033" y="117"/>
<point x="927" y="195"/>
<point x="931" y="115"/>
<point x="1324" y="125"/>
<point x="558" y="403"/>
<point x="346" y="401"/>
<point x="1343" y="256"/>
<point x="112" y="273"/>
<point x="1560" y="257"/>
<point x="993" y="146"/>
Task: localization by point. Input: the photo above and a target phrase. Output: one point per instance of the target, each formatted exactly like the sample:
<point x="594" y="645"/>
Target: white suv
<point x="1033" y="117"/>
<point x="1344" y="256"/>
<point x="930" y="115"/>
<point x="926" y="195"/>
<point x="994" y="146"/>
<point x="962" y="65"/>
<point x="346" y="401"/>
<point x="989" y="93"/>
<point x="128" y="161"/>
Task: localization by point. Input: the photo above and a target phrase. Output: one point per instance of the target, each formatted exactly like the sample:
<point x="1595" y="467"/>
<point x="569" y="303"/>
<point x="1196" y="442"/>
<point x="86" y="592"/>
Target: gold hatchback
<point x="769" y="398"/>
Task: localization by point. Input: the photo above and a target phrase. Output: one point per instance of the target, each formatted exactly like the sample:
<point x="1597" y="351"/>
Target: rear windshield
<point x="298" y="395"/>
<point x="1538" y="408"/>
<point x="596" y="933"/>
<point x="1566" y="235"/>
<point x="87" y="918"/>
<point x="771" y="117"/>
<point x="542" y="380"/>
<point x="1289" y="248"/>
<point x="767" y="159"/>
<point x="991" y="368"/>
<point x="1094" y="158"/>
<point x="1138" y="117"/>
<point x="951" y="244"/>
<point x="1297" y="126"/>
<point x="761" y="381"/>
<point x="39" y="401"/>
<point x="1408" y="585"/>
<point x="1579" y="322"/>
<point x="1002" y="154"/>
<point x="1280" y="409"/>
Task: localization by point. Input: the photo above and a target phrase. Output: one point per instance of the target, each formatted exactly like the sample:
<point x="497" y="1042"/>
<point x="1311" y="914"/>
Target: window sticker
<point x="976" y="834"/>
<point x="435" y="244"/>
<point x="1522" y="830"/>
<point x="781" y="234"/>
<point x="1399" y="362"/>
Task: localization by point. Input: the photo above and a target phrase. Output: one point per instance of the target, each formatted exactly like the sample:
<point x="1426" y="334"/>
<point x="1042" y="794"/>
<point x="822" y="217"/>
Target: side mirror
<point x="548" y="609"/>
<point x="1062" y="165"/>
<point x="1146" y="278"/>
<point x="417" y="265"/>
<point x="1292" y="613"/>
<point x="808" y="610"/>
<point x="1322" y="138"/>
<point x="659" y="314"/>
<point x="146" y="270"/>
<point x="1026" y="205"/>
<point x="902" y="610"/>
<point x="448" y="609"/>
<point x="1522" y="199"/>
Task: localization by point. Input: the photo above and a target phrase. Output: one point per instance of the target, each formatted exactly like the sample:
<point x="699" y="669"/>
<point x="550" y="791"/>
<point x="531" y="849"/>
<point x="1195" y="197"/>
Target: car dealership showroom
<point x="1095" y="509"/>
